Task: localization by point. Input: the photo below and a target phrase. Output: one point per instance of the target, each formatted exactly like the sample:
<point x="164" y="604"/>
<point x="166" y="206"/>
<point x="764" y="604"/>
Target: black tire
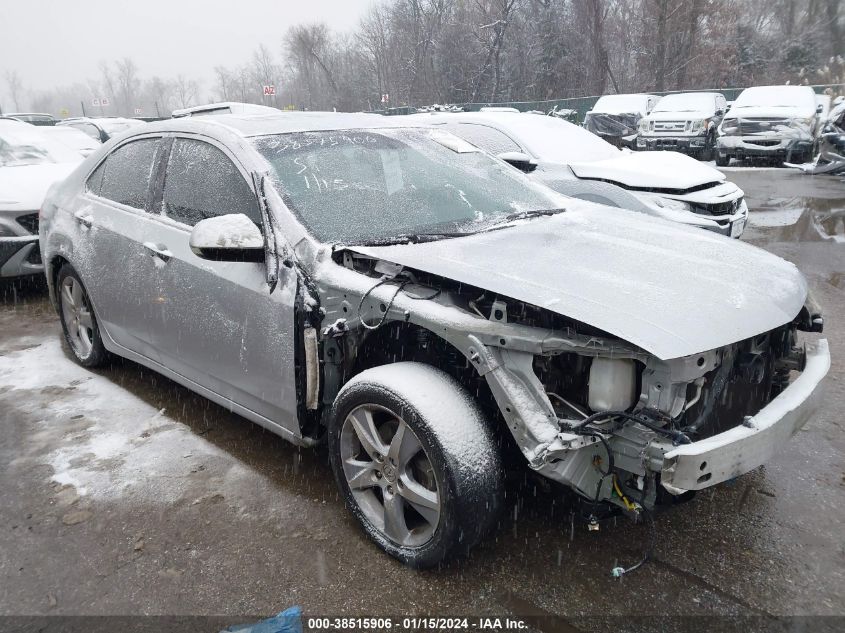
<point x="722" y="161"/>
<point x="459" y="445"/>
<point x="94" y="355"/>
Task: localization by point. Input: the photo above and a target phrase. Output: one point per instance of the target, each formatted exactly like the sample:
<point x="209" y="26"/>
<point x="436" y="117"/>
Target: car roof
<point x="247" y="125"/>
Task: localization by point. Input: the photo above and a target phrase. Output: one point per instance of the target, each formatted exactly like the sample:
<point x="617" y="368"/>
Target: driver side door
<point x="220" y="325"/>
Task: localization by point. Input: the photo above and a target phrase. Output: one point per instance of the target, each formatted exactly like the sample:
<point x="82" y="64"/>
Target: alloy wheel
<point x="390" y="476"/>
<point x="78" y="320"/>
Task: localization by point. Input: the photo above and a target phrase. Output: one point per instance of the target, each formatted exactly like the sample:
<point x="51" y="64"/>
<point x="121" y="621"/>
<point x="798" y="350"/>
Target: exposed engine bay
<point x="587" y="410"/>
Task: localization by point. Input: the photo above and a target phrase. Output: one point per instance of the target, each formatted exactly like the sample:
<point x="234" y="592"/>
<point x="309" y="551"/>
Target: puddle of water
<point x="799" y="219"/>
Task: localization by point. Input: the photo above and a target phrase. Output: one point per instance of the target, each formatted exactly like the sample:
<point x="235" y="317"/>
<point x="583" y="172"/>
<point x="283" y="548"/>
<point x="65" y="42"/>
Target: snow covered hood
<point x="665" y="170"/>
<point x="671" y="290"/>
<point x="23" y="187"/>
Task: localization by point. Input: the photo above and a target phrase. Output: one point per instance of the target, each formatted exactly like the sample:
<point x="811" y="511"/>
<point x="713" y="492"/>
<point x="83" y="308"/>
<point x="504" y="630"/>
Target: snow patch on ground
<point x="107" y="442"/>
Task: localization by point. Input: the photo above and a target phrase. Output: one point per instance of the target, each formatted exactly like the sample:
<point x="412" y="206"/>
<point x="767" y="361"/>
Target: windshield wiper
<point x="524" y="215"/>
<point x="409" y="238"/>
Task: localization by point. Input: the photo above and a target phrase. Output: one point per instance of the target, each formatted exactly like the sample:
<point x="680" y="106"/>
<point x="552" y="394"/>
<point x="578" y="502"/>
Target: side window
<point x="95" y="180"/>
<point x="201" y="182"/>
<point x="128" y="172"/>
<point x="487" y="138"/>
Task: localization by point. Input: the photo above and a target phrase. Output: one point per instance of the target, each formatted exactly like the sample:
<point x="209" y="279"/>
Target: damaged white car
<point x="576" y="163"/>
<point x="425" y="308"/>
<point x="777" y="123"/>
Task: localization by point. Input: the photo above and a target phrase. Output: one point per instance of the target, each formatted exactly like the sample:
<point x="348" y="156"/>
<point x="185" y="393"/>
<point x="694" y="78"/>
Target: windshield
<point x="362" y="185"/>
<point x="72" y="138"/>
<point x="22" y="144"/>
<point x="776" y="97"/>
<point x="688" y="102"/>
<point x="557" y="141"/>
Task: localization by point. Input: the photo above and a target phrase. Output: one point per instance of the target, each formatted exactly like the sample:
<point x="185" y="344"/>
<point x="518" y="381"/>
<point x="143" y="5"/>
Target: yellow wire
<point x="628" y="504"/>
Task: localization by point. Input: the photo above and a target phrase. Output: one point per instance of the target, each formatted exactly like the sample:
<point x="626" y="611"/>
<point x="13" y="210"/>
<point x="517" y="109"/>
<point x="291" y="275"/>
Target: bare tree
<point x="186" y="91"/>
<point x="14" y="85"/>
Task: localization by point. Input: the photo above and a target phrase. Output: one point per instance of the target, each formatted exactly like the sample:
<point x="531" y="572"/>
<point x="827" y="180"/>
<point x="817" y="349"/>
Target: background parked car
<point x="684" y="122"/>
<point x="778" y="123"/>
<point x="73" y="138"/>
<point x="577" y="163"/>
<point x="100" y="128"/>
<point x="615" y="118"/>
<point x="30" y="162"/>
<point x="34" y="118"/>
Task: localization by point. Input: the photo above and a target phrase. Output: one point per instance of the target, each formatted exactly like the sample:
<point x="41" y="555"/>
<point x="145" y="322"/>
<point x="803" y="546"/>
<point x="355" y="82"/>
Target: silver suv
<point x="423" y="307"/>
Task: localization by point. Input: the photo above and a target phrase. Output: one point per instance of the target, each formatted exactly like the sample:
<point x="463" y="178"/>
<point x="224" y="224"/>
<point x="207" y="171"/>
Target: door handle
<point x="84" y="218"/>
<point x="158" y="250"/>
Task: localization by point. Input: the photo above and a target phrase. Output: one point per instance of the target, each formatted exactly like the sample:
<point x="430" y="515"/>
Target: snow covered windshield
<point x="23" y="144"/>
<point x="621" y="104"/>
<point x="688" y="102"/>
<point x="361" y="185"/>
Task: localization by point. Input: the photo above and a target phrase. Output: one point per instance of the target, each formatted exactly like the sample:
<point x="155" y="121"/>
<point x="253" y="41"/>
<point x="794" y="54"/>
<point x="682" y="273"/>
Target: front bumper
<point x="20" y="256"/>
<point x="762" y="146"/>
<point x="743" y="448"/>
<point x="684" y="144"/>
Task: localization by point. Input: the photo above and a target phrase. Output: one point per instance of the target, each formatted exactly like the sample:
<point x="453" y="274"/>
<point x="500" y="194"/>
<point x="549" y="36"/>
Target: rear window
<point x="126" y="173"/>
<point x="485" y="137"/>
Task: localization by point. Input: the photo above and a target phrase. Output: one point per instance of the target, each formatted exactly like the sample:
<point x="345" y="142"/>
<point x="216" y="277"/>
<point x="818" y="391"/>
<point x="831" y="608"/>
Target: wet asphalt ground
<point x="125" y="494"/>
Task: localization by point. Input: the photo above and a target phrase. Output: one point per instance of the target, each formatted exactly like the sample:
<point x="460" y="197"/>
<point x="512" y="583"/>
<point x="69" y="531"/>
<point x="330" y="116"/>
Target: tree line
<point x="419" y="52"/>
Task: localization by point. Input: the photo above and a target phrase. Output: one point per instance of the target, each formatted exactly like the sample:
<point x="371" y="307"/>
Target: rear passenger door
<point x="113" y="226"/>
<point x="220" y="326"/>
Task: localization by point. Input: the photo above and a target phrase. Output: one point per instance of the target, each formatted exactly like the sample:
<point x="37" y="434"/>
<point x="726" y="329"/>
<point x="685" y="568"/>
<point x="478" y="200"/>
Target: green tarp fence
<point x="583" y="104"/>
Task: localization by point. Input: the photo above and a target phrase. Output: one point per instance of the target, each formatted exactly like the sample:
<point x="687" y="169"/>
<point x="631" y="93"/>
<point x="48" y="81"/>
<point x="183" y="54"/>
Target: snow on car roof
<point x="776" y="96"/>
<point x="622" y="104"/>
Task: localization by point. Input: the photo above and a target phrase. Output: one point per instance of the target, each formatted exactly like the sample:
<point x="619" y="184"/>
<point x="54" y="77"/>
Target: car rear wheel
<point x="415" y="461"/>
<point x="78" y="320"/>
<point x="722" y="160"/>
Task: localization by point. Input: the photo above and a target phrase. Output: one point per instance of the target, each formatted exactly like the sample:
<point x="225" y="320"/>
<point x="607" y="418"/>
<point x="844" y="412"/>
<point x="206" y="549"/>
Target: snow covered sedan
<point x="30" y="161"/>
<point x="684" y="122"/>
<point x="424" y="307"/>
<point x="576" y="163"/>
<point x="778" y="123"/>
<point x="616" y="118"/>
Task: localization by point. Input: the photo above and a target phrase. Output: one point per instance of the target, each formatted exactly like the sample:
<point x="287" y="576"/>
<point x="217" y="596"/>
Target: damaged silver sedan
<point x="427" y="310"/>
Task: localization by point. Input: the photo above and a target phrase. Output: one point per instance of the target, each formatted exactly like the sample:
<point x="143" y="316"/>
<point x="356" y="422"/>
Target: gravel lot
<point x="125" y="494"/>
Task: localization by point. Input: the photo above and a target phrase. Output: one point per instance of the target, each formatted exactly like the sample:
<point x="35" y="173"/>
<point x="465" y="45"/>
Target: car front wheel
<point x="415" y="461"/>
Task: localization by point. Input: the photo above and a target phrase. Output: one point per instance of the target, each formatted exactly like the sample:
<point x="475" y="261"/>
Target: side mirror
<point x="819" y="108"/>
<point x="522" y="162"/>
<point x="719" y="112"/>
<point x="228" y="238"/>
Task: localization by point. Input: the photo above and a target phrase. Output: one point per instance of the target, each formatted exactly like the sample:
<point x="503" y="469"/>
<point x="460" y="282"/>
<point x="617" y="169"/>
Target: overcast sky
<point x="60" y="42"/>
